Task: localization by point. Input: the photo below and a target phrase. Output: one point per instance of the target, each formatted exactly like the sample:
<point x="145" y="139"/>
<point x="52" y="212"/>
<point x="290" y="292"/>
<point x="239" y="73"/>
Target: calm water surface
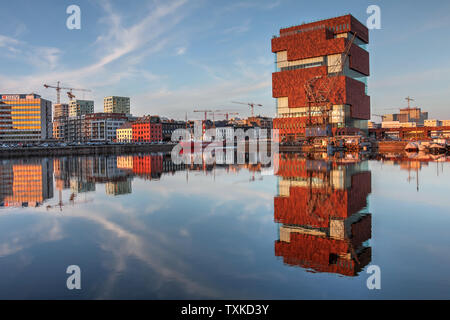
<point x="141" y="227"/>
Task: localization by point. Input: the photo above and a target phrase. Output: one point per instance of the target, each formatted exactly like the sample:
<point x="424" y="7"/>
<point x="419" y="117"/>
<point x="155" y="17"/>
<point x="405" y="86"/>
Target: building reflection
<point x="314" y="194"/>
<point x="25" y="183"/>
<point x="322" y="210"/>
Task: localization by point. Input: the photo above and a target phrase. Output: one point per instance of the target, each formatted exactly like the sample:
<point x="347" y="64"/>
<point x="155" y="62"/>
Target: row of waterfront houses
<point x="27" y="118"/>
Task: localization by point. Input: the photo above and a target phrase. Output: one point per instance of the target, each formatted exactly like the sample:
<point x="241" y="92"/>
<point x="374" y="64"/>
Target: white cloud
<point x="118" y="55"/>
<point x="238" y="29"/>
<point x="181" y="51"/>
<point x="125" y="45"/>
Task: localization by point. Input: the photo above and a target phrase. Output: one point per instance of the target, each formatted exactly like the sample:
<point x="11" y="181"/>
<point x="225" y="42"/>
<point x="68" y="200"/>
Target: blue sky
<point x="172" y="57"/>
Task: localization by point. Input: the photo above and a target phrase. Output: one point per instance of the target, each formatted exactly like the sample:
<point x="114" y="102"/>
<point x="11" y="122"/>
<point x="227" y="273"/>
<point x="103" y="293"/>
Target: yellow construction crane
<point x="250" y="104"/>
<point x="59" y="88"/>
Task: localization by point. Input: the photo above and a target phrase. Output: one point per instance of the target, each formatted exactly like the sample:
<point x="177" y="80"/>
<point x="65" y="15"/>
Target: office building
<point x="26" y="183"/>
<point x="315" y="85"/>
<point x="25" y="118"/>
<point x="116" y="105"/>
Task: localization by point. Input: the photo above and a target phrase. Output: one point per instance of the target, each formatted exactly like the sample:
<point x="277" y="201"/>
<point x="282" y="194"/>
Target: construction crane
<point x="319" y="88"/>
<point x="214" y="113"/>
<point x="59" y="88"/>
<point x="252" y="105"/>
<point x="72" y="201"/>
<point x="70" y="95"/>
<point x="206" y="118"/>
<point x="409" y="99"/>
<point x="227" y="114"/>
<point x="205" y="112"/>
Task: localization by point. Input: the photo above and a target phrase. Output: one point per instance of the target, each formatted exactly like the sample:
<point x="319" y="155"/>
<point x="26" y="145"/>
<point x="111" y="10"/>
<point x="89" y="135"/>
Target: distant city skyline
<point x="173" y="57"/>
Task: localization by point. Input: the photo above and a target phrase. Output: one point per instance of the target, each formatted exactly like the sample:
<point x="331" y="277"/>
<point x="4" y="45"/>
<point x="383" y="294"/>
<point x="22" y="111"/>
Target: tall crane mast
<point x="205" y="112"/>
<point x="409" y="99"/>
<point x="250" y="104"/>
<point x="59" y="88"/>
<point x="319" y="89"/>
<point x="206" y="118"/>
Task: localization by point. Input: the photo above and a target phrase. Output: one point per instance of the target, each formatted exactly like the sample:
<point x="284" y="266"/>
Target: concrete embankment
<point x="83" y="150"/>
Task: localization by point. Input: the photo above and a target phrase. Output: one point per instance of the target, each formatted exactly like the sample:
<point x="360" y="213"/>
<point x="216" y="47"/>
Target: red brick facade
<point x="315" y="40"/>
<point x="147" y="132"/>
<point x="148" y="167"/>
<point x="315" y="207"/>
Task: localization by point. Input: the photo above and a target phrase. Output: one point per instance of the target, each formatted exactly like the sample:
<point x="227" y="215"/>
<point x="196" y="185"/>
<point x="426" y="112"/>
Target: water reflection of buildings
<point x="81" y="174"/>
<point x="321" y="208"/>
<point x="25" y="183"/>
<point x="30" y="182"/>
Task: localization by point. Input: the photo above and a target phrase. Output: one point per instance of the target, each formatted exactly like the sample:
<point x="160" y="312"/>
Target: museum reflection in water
<point x="322" y="210"/>
<point x="320" y="207"/>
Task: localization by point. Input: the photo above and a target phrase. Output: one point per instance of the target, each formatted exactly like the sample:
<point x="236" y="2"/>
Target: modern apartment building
<point x="116" y="105"/>
<point x="95" y="127"/>
<point x="78" y="108"/>
<point x="76" y="130"/>
<point x="103" y="126"/>
<point x="60" y="111"/>
<point x="60" y="116"/>
<point x="315" y="84"/>
<point x="25" y="118"/>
